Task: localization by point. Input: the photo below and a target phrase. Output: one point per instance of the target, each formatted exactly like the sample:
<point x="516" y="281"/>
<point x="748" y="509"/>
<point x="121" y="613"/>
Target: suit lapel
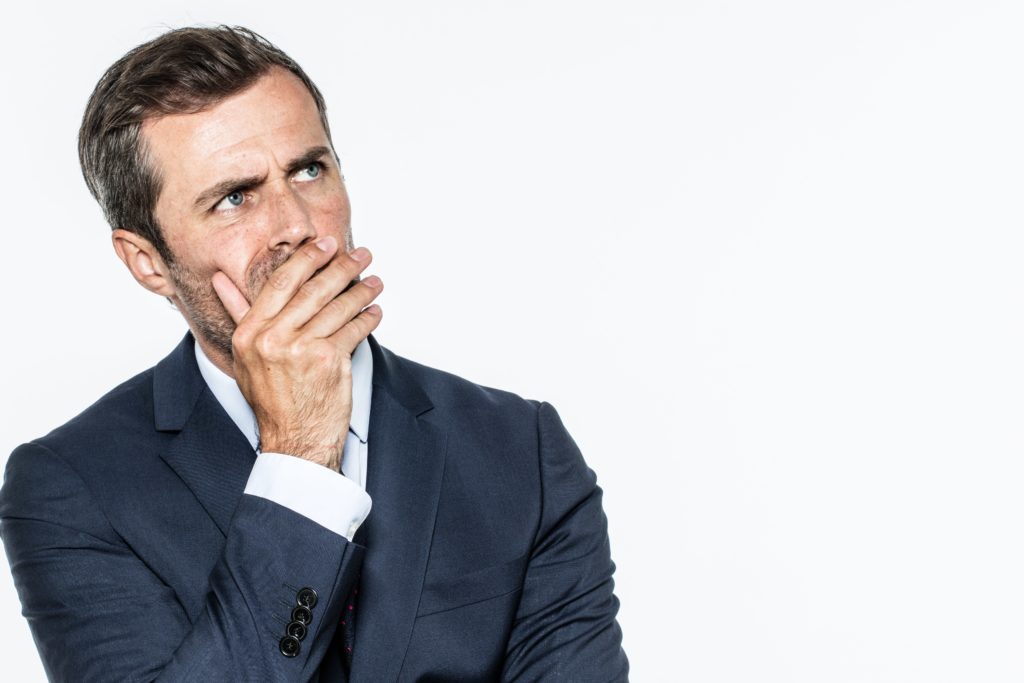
<point x="405" y="466"/>
<point x="212" y="457"/>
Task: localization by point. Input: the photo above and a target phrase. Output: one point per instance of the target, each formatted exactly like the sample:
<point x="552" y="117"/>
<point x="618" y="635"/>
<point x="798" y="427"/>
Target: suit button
<point x="290" y="646"/>
<point x="302" y="615"/>
<point x="306" y="598"/>
<point x="296" y="629"/>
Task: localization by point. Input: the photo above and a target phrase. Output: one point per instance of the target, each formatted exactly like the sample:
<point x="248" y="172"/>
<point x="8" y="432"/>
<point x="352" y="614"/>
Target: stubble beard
<point x="204" y="309"/>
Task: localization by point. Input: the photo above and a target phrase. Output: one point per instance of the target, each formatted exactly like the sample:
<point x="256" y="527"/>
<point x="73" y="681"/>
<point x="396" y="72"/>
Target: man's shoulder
<point x="122" y="411"/>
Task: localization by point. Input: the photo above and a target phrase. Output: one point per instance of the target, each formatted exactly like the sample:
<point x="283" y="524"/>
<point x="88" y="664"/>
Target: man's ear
<point x="144" y="262"/>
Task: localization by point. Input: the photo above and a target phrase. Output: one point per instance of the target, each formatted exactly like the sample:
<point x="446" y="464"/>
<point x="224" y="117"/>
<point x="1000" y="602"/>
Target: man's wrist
<point x="328" y="456"/>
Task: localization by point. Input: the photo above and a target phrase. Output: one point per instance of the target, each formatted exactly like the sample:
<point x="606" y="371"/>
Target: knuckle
<point x="339" y="305"/>
<point x="365" y="322"/>
<point x="345" y="265"/>
<point x="279" y="280"/>
<point x="242" y="337"/>
<point x="309" y="290"/>
<point x="297" y="349"/>
<point x="266" y="344"/>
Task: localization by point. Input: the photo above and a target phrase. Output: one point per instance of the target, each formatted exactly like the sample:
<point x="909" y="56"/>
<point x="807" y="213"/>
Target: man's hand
<point x="293" y="348"/>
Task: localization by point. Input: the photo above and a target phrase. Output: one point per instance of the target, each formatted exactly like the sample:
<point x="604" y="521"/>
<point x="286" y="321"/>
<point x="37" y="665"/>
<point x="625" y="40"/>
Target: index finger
<point x="232" y="298"/>
<point x="290" y="275"/>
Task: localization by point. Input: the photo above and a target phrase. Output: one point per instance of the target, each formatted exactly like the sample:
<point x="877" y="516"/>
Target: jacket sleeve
<point x="97" y="612"/>
<point x="565" y="627"/>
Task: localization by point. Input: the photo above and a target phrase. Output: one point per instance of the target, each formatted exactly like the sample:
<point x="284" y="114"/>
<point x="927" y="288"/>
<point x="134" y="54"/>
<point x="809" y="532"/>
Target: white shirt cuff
<point x="329" y="498"/>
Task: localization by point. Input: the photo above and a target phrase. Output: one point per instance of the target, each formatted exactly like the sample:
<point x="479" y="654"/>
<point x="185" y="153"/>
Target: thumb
<point x="233" y="300"/>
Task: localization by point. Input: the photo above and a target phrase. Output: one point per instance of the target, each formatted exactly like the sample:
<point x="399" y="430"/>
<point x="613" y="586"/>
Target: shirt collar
<point x="230" y="397"/>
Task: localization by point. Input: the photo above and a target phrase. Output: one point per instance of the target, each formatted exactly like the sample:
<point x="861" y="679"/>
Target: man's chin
<point x="216" y="348"/>
<point x="212" y="328"/>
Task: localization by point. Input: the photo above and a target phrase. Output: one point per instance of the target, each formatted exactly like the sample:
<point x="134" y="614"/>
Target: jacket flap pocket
<point x="482" y="584"/>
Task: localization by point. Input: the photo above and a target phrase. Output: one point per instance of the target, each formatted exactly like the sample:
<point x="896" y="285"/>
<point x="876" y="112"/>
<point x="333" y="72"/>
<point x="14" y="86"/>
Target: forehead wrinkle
<point x="261" y="145"/>
<point x="266" y="144"/>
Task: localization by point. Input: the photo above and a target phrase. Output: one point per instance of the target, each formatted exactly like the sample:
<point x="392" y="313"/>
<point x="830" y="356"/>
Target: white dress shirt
<point x="337" y="501"/>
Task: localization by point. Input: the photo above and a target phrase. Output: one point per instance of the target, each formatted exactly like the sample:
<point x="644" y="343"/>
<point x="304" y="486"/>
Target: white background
<point x="763" y="258"/>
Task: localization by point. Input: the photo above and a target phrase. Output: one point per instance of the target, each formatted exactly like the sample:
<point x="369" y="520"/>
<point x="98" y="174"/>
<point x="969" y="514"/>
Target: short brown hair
<point x="182" y="71"/>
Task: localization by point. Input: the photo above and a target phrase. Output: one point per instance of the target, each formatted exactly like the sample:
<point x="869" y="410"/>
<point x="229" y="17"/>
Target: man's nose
<point x="290" y="220"/>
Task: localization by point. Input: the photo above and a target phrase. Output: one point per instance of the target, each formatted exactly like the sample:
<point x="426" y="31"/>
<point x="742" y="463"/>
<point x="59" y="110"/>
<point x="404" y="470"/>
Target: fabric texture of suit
<point x="485" y="557"/>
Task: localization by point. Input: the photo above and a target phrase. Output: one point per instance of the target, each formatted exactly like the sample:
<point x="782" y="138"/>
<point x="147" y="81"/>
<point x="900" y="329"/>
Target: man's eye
<point x="309" y="172"/>
<point x="230" y="201"/>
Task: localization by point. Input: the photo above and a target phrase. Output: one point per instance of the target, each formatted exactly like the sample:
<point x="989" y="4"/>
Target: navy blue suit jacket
<point x="137" y="557"/>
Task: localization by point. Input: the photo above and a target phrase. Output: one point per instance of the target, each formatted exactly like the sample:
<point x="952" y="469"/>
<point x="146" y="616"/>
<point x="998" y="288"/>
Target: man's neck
<point x="222" y="361"/>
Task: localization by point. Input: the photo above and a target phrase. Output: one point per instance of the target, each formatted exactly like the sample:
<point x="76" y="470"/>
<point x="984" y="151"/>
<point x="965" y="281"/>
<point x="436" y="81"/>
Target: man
<point x="210" y="519"/>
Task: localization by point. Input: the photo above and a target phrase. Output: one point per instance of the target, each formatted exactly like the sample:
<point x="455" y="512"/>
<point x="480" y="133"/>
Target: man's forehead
<point x="274" y="118"/>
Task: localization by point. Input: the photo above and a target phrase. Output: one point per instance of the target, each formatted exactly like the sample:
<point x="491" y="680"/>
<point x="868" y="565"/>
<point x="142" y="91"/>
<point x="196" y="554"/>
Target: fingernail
<point x="372" y="281"/>
<point x="360" y="254"/>
<point x="325" y="243"/>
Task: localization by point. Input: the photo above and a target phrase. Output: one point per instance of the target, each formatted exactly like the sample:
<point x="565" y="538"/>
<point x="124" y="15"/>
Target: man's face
<point x="244" y="183"/>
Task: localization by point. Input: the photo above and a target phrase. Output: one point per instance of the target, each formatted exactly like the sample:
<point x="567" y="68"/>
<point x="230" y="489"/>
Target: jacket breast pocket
<point x="448" y="593"/>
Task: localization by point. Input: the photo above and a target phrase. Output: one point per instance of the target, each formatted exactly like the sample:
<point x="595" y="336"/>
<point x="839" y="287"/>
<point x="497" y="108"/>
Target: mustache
<point x="260" y="271"/>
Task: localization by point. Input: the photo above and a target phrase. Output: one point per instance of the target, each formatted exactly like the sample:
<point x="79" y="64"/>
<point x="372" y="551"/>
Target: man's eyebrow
<point x="308" y="157"/>
<point x="225" y="187"/>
